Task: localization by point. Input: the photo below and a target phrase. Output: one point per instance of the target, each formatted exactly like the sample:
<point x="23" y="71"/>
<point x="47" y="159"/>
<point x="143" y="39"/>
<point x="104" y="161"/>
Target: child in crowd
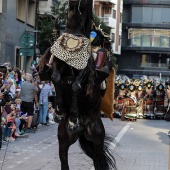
<point x="23" y="118"/>
<point x="3" y="126"/>
<point x="50" y="113"/>
<point x="18" y="103"/>
<point x="10" y="126"/>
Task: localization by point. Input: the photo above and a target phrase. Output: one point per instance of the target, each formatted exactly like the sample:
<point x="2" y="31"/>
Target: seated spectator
<point x="18" y="103"/>
<point x="4" y="131"/>
<point x="10" y="126"/>
<point x="22" y="119"/>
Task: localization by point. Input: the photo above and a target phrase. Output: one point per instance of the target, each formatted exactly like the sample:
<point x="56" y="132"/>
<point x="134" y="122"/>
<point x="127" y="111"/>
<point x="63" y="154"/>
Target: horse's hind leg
<point x="65" y="140"/>
<point x="99" y="150"/>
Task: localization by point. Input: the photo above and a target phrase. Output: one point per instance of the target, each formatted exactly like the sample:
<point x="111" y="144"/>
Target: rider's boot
<point x="74" y="123"/>
<point x="58" y="115"/>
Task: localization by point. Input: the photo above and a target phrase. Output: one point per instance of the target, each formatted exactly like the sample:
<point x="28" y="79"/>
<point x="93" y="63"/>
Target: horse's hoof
<point x="58" y="118"/>
<point x="74" y="127"/>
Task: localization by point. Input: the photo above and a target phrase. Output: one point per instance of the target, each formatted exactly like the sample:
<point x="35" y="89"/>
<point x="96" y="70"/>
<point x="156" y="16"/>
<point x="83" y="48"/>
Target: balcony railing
<point x="110" y="1"/>
<point x="109" y="21"/>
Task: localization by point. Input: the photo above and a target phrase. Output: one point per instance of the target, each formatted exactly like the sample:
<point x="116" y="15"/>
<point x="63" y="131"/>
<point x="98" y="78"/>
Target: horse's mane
<point x="43" y="59"/>
<point x="76" y="16"/>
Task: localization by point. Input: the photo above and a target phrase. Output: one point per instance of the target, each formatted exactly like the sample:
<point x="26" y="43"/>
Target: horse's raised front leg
<point x="65" y="141"/>
<point x="56" y="79"/>
<point x="74" y="124"/>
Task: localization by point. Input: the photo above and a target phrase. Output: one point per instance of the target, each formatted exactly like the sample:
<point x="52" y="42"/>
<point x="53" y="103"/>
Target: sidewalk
<point x="143" y="145"/>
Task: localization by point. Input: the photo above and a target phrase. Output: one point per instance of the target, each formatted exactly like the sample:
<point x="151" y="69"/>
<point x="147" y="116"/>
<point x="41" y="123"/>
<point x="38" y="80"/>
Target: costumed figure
<point x="101" y="48"/>
<point x="139" y="90"/>
<point x="167" y="102"/>
<point x="148" y="107"/>
<point x="120" y="96"/>
<point x="129" y="112"/>
<point x="159" y="95"/>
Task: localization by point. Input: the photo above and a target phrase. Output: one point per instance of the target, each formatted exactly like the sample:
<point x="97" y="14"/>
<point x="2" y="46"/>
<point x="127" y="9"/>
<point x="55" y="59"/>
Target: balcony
<point x="109" y="21"/>
<point x="107" y="1"/>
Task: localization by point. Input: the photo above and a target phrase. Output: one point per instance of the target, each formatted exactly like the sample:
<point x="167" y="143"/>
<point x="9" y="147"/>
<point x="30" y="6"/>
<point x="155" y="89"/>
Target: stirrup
<point x="58" y="118"/>
<point x="74" y="127"/>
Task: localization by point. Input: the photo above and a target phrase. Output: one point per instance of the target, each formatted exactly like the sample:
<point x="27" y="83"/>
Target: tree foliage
<point x="46" y="24"/>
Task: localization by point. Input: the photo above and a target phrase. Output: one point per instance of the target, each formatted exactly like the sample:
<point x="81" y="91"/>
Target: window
<point x="136" y="41"/>
<point x="113" y="37"/>
<point x="149" y="37"/>
<point x="106" y="10"/>
<point x="156" y="18"/>
<point x="31" y="13"/>
<point x="26" y="11"/>
<point x="146" y="41"/>
<point x="164" y="41"/>
<point x="114" y="14"/>
<point x="137" y="13"/>
<point x="97" y="10"/>
<point x="155" y="60"/>
<point x="149" y="14"/>
<point x="21" y="10"/>
<point x="165" y="15"/>
<point x="155" y="41"/>
<point x="120" y="38"/>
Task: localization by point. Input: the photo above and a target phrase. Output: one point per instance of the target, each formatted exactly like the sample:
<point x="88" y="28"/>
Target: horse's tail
<point x="107" y="160"/>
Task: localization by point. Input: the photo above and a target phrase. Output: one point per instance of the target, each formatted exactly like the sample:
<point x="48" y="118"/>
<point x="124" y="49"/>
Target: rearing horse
<point x="78" y="94"/>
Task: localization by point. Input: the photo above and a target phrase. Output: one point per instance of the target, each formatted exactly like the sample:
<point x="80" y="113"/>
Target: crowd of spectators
<point x="28" y="95"/>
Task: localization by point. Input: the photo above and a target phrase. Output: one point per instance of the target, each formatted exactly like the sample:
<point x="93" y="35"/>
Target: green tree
<point x="46" y="24"/>
<point x="103" y="26"/>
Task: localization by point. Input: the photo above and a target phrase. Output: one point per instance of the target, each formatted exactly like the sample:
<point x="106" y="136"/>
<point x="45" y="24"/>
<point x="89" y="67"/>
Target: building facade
<point x="16" y="18"/>
<point x="145" y="38"/>
<point x="110" y="12"/>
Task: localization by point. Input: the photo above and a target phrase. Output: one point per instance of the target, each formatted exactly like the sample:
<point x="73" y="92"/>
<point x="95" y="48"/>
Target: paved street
<point x="141" y="145"/>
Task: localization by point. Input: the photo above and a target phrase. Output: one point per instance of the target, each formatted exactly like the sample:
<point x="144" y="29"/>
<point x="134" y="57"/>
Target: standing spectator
<point x="11" y="127"/>
<point x="43" y="101"/>
<point x="28" y="93"/>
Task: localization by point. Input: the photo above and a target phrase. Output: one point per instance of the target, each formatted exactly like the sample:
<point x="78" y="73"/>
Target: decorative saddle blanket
<point x="73" y="50"/>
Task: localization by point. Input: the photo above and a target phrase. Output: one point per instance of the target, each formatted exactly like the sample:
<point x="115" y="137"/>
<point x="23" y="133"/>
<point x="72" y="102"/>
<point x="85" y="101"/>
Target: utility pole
<point x="36" y="22"/>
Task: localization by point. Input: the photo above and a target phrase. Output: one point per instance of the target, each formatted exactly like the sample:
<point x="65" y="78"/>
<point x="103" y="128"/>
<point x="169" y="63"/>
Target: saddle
<point x="73" y="50"/>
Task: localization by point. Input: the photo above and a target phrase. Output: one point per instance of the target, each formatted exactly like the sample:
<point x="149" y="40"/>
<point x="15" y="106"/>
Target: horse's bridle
<point x="82" y="24"/>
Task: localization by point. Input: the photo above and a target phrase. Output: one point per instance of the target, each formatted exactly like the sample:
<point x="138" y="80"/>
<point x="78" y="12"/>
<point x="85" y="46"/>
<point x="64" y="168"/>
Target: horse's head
<point x="79" y="17"/>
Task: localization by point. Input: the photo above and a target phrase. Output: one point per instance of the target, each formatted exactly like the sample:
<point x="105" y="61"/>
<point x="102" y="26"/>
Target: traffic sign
<point x="26" y="40"/>
<point x="26" y="52"/>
